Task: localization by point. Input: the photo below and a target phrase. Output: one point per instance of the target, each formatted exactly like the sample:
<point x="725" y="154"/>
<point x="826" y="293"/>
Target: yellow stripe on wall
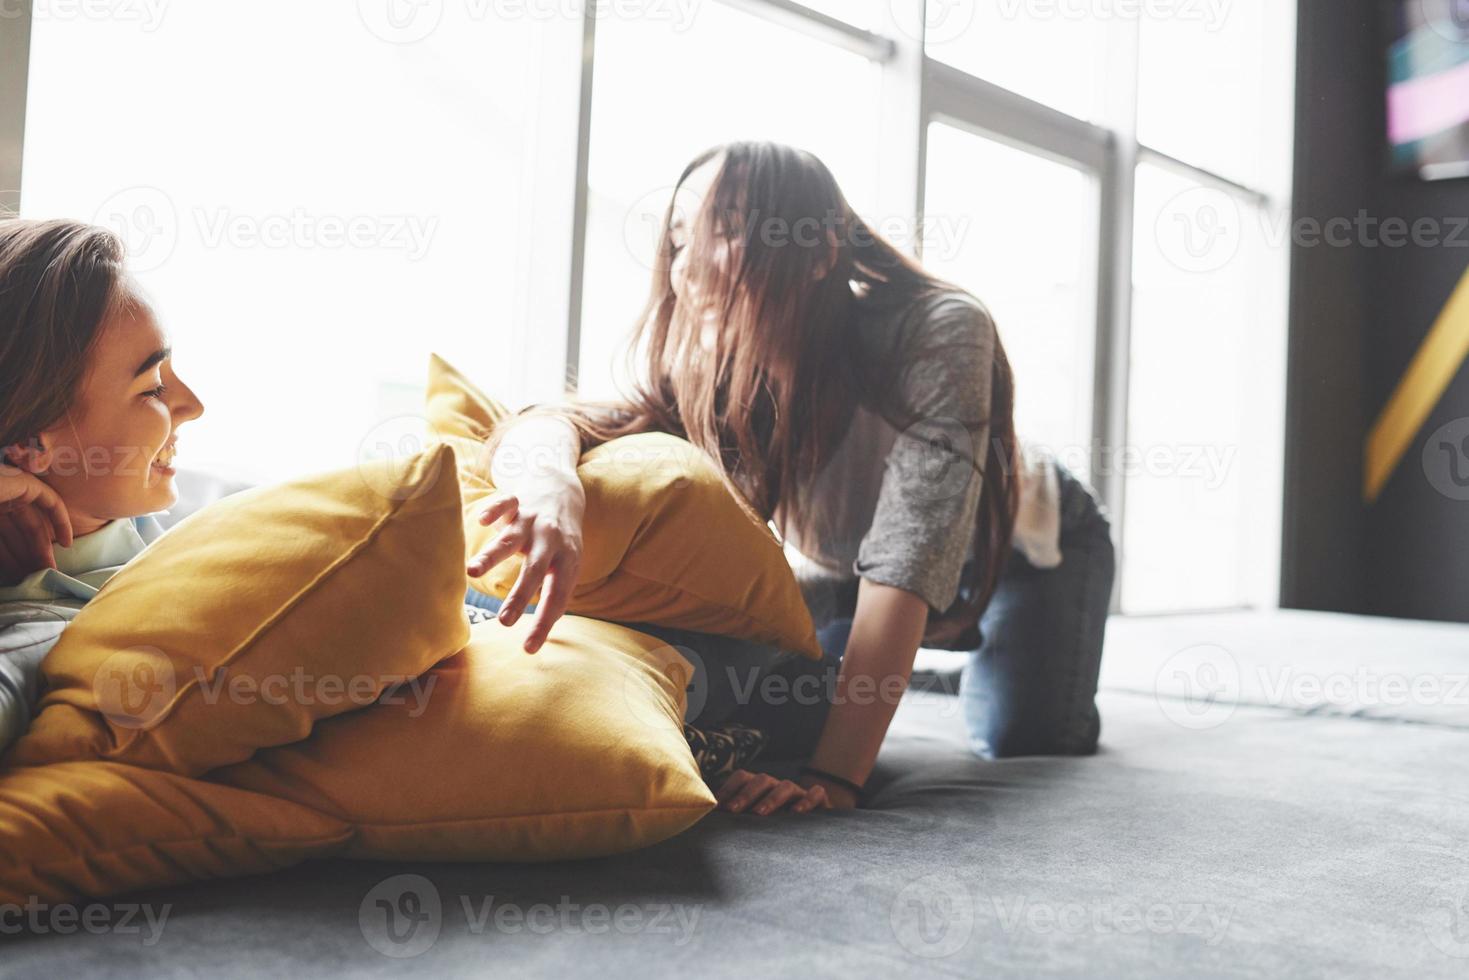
<point x="1422" y="385"/>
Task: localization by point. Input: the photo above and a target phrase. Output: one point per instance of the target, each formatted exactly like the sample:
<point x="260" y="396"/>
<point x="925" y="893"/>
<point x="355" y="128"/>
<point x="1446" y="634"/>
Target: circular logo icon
<point x="146" y="221"/>
<point x="685" y="671"/>
<point x="1200" y="230"/>
<point x="642" y="226"/>
<point x="1448" y="18"/>
<point x="134" y="687"/>
<point x="1446" y="459"/>
<point x="401" y="21"/>
<point x="401" y="916"/>
<point x="933" y="22"/>
<point x="933" y="917"/>
<point x="1448" y="923"/>
<point x="1198" y="687"/>
<point x="386" y="450"/>
<point x="939" y="467"/>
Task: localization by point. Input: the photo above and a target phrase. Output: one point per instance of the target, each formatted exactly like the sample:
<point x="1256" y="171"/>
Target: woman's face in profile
<point x="688" y="206"/>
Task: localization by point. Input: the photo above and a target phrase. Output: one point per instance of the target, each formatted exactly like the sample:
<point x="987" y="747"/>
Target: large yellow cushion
<point x="666" y="542"/>
<point x="97" y="828"/>
<point x="258" y="616"/>
<point x="576" y="751"/>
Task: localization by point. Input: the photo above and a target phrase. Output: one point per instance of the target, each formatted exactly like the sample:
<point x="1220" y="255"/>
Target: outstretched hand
<point x="548" y="534"/>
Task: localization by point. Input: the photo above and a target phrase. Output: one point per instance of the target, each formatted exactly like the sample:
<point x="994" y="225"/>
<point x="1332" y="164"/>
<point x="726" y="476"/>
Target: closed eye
<point x="156" y="392"/>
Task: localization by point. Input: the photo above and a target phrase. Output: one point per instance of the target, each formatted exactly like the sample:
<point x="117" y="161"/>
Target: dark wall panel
<point x="1358" y="316"/>
<point x="1337" y="157"/>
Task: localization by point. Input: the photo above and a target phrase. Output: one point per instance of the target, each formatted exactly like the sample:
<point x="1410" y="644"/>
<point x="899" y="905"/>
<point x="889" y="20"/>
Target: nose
<point x="185" y="406"/>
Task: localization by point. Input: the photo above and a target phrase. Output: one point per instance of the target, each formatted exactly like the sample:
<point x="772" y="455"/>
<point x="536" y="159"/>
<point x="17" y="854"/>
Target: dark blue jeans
<point x="1030" y="688"/>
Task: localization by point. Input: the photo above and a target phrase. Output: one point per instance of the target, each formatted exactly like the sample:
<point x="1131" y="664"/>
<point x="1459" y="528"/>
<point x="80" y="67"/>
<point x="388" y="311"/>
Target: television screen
<point x="1428" y="88"/>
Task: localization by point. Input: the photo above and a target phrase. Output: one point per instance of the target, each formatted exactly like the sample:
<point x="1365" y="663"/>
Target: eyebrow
<point x="152" y="360"/>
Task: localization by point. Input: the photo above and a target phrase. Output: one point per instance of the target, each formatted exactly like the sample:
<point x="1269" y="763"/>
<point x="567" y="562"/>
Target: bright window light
<point x="1043" y="51"/>
<point x="709" y="92"/>
<point x="1213" y="89"/>
<point x="307" y="240"/>
<point x="1206" y="419"/>
<point x="1023" y="239"/>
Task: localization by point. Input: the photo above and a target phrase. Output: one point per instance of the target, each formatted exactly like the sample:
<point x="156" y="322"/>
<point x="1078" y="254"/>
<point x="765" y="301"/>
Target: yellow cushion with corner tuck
<point x="665" y="539"/>
<point x="494" y="754"/>
<point x="259" y="616"/>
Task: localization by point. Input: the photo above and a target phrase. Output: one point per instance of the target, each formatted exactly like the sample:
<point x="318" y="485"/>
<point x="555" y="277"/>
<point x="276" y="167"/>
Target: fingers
<point x="732" y="784"/>
<point x="778" y="796"/>
<point x="506" y="544"/>
<point x="757" y="787"/>
<point x="555" y="597"/>
<point x="815" y="797"/>
<point x="526" y="586"/>
<point x="763" y="794"/>
<point x="27" y="543"/>
<point x="36" y="532"/>
<point x="506" y="507"/>
<point x="50" y="503"/>
<point x="500" y="505"/>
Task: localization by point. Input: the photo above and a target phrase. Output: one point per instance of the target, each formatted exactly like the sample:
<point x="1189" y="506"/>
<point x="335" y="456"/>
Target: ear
<point x="34" y="456"/>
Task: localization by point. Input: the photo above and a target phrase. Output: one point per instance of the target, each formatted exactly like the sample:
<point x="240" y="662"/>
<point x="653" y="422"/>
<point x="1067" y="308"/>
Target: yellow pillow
<point x="258" y="616"/>
<point x="92" y="829"/>
<point x="665" y="540"/>
<point x="575" y="752"/>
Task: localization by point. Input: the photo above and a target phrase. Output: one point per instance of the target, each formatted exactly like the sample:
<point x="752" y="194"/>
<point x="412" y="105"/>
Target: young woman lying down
<point x="90" y="413"/>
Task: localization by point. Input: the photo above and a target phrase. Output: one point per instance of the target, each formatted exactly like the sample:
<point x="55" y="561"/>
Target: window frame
<point x="15" y="58"/>
<point x="917" y="90"/>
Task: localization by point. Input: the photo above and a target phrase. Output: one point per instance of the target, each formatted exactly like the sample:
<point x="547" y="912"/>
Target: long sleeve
<point x="22" y="648"/>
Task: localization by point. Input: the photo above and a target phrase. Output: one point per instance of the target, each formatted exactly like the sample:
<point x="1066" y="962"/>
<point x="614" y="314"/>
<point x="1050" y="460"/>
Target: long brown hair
<point x="59" y="280"/>
<point x="767" y="384"/>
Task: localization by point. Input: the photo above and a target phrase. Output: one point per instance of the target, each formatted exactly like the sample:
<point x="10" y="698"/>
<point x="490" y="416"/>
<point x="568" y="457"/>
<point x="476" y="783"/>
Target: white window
<point x="317" y="195"/>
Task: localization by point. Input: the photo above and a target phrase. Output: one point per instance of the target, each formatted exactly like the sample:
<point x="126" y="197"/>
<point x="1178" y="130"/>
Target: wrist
<point x="553" y="492"/>
<point x="838" y="787"/>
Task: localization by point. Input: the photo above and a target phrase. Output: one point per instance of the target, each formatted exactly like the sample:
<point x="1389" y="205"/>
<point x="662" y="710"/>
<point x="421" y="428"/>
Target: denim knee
<point x="995" y="735"/>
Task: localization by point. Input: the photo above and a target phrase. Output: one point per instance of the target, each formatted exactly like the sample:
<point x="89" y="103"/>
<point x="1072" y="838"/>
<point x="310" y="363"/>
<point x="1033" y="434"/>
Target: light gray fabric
<point x="1382" y="669"/>
<point x="1277" y="843"/>
<point x="898" y="500"/>
<point x="23" y="645"/>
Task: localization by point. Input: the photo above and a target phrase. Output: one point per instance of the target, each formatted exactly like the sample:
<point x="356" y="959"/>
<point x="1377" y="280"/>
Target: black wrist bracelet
<point x="832" y="778"/>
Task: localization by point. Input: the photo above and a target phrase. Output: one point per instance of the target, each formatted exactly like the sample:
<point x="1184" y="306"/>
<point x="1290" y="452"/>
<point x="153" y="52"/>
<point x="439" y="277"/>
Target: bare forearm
<point x="536" y="456"/>
<point x="886" y="631"/>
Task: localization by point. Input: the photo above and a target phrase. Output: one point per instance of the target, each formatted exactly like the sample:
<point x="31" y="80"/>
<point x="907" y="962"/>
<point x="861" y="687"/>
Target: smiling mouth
<point x="163" y="462"/>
